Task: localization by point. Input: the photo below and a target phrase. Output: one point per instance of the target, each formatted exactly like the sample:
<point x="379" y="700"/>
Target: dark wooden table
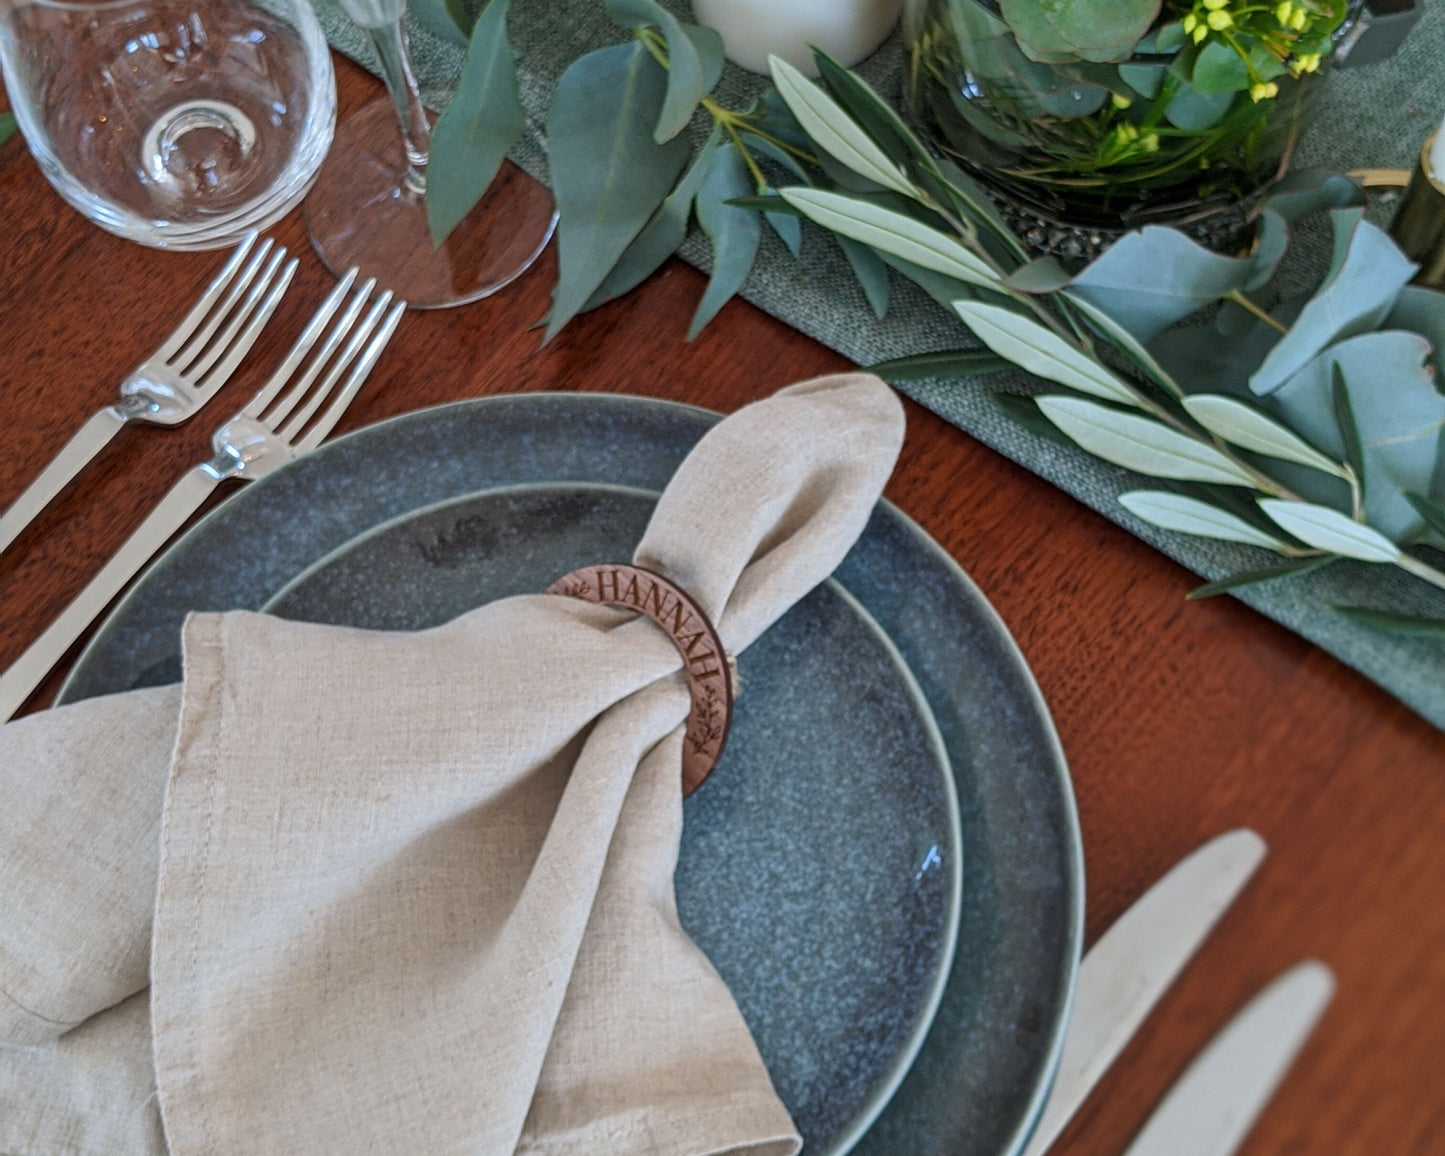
<point x="1180" y="720"/>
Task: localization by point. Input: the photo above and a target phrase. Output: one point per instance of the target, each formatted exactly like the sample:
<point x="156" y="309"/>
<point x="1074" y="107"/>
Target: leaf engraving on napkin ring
<point x="711" y="670"/>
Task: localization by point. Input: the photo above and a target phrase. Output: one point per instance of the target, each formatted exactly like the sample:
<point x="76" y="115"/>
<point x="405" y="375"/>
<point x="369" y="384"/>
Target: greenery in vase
<point x="1082" y="98"/>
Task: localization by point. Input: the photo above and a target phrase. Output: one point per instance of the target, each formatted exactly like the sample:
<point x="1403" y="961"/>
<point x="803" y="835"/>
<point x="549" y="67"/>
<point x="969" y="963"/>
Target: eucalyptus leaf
<point x="871" y="272"/>
<point x="1030" y="346"/>
<point x="608" y="174"/>
<point x="1145" y="79"/>
<point x="1353" y="300"/>
<point x="485" y="118"/>
<point x="1039" y="276"/>
<point x="1306" y="191"/>
<point x="1264" y="574"/>
<point x="1082" y="29"/>
<point x="784" y="222"/>
<point x="945" y="363"/>
<point x="1242" y="425"/>
<point x="694" y="60"/>
<point x="1412" y="624"/>
<point x="891" y="231"/>
<point x="1327" y="529"/>
<point x="1190" y="516"/>
<point x="1398" y="411"/>
<point x="834" y="130"/>
<point x="449" y="20"/>
<point x="1219" y="68"/>
<point x="734" y="232"/>
<point x="1195" y="111"/>
<point x="1151" y="279"/>
<point x="661" y="237"/>
<point x="1141" y="444"/>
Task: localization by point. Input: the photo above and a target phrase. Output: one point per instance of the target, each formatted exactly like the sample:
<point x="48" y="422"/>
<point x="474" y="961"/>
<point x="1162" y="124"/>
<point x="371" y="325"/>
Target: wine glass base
<point x="361" y="212"/>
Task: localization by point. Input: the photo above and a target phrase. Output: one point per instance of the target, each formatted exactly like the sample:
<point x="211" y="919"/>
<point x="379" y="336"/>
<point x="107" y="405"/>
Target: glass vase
<point x="1078" y="152"/>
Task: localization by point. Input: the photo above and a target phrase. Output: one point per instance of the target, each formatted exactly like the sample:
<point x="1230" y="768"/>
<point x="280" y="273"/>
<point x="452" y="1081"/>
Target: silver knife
<point x="1211" y="1108"/>
<point x="1133" y="964"/>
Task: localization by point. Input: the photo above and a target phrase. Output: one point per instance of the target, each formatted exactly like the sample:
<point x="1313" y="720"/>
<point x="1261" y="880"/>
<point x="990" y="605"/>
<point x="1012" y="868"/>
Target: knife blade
<point x="1212" y="1106"/>
<point x="1133" y="964"/>
<point x="30" y="669"/>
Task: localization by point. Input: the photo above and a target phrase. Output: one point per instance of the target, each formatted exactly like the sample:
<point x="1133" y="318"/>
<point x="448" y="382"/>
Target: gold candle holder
<point x="1419" y="224"/>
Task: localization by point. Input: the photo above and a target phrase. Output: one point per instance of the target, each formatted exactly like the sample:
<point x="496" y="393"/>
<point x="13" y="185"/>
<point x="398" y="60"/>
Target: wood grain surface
<point x="1180" y="720"/>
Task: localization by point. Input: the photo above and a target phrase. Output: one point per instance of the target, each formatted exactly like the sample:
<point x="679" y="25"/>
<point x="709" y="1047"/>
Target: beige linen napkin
<point x="414" y="891"/>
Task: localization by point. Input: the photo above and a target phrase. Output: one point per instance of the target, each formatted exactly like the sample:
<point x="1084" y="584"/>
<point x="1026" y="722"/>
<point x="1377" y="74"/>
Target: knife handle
<point x="84" y="444"/>
<point x="30" y="669"/>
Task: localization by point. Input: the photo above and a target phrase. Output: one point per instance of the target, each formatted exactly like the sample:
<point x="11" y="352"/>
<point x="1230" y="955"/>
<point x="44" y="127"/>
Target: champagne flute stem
<point x="391" y="52"/>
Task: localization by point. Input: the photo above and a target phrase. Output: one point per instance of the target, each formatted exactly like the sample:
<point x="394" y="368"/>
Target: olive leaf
<point x="872" y="113"/>
<point x="1327" y="529"/>
<point x="734" y="232"/>
<point x="1191" y="516"/>
<point x="834" y="130"/>
<point x="484" y="120"/>
<point x="893" y="232"/>
<point x="1243" y="425"/>
<point x="945" y="363"/>
<point x="694" y="60"/>
<point x="1030" y="346"/>
<point x="1394" y="623"/>
<point x="1263" y="574"/>
<point x="1349" y="427"/>
<point x="1106" y="327"/>
<point x="1141" y="444"/>
<point x="7" y="126"/>
<point x="608" y="174"/>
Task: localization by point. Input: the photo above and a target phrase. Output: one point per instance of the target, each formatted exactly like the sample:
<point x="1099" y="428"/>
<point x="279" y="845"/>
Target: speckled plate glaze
<point x="819" y="868"/>
<point x="981" y="1075"/>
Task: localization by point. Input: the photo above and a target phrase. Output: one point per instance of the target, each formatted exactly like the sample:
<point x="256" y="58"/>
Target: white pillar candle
<point x="847" y="30"/>
<point x="1436" y="163"/>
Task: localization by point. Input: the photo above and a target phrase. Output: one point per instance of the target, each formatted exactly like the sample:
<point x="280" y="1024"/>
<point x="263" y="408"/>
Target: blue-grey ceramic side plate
<point x="982" y="1072"/>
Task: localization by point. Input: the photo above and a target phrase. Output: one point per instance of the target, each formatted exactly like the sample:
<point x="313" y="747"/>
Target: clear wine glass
<point x="368" y="208"/>
<point x="181" y="124"/>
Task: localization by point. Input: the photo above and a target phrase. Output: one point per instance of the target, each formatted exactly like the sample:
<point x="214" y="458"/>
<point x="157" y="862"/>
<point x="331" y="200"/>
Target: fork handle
<point x="88" y="441"/>
<point x="30" y="669"/>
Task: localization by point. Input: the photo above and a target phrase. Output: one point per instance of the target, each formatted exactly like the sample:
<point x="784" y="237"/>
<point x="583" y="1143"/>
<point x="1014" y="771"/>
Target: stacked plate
<point x="885" y="866"/>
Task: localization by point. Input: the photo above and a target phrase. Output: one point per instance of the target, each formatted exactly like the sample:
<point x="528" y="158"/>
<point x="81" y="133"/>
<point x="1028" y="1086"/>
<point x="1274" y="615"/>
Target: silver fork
<point x="180" y="377"/>
<point x="275" y="428"/>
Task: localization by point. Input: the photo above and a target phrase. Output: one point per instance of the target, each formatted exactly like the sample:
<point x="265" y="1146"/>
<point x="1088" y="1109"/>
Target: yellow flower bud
<point x="1119" y="101"/>
<point x="1310" y="62"/>
<point x="1200" y="33"/>
<point x="1299" y="19"/>
<point x="1283" y="12"/>
<point x="1150" y="143"/>
<point x="1219" y="21"/>
<point x="1216" y="5"/>
<point x="1191" y="22"/>
<point x="1128" y="132"/>
<point x="1262" y="91"/>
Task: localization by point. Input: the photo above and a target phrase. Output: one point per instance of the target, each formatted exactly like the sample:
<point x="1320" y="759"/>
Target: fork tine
<point x="318" y="396"/>
<point x="327" y="421"/>
<point x="235" y="317"/>
<point x="303" y="346"/>
<point x="219" y="284"/>
<point x="277" y="412"/>
<point x="238" y="349"/>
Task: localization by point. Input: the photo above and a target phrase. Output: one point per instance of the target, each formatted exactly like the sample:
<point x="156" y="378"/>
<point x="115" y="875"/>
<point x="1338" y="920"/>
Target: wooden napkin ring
<point x="710" y="669"/>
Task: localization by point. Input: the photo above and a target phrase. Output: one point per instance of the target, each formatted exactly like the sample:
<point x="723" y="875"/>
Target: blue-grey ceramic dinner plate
<point x="980" y="1077"/>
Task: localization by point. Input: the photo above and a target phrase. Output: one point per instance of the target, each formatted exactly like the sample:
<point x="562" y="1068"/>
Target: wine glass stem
<point x="391" y="51"/>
